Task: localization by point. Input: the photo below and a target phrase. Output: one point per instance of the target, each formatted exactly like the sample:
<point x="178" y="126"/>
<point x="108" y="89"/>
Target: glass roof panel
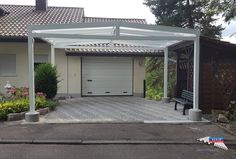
<point x="142" y="35"/>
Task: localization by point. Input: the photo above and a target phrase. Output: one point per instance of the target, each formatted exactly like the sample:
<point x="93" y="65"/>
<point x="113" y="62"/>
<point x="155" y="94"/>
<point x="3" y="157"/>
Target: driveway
<point x="114" y="109"/>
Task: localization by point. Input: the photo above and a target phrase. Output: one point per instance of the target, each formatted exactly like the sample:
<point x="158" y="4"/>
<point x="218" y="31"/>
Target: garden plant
<point x="16" y="100"/>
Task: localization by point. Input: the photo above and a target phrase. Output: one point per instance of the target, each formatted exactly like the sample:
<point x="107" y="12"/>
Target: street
<point x="100" y="141"/>
<point x="114" y="152"/>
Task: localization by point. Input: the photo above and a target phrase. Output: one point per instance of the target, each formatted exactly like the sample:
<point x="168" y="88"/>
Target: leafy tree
<point x="46" y="80"/>
<point x="196" y="14"/>
<point x="225" y="7"/>
<point x="155" y="71"/>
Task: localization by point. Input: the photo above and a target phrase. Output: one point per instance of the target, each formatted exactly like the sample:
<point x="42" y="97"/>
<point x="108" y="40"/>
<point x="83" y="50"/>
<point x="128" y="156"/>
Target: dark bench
<point x="186" y="99"/>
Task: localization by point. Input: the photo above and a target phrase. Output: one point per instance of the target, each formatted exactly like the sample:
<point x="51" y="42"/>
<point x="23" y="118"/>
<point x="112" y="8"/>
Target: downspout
<point x="67" y="77"/>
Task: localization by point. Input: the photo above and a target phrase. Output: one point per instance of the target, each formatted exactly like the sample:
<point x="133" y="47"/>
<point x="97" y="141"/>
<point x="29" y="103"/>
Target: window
<point x="7" y="65"/>
<point x="40" y="59"/>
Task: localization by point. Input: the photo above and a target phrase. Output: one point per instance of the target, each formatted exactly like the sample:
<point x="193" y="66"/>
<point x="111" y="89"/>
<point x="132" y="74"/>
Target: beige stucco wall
<point x="20" y="50"/>
<point x="69" y="68"/>
<point x="139" y="75"/>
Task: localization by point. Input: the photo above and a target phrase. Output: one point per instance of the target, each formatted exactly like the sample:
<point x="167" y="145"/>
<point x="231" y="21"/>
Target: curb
<point x="136" y="142"/>
<point x="120" y="122"/>
<point x="105" y="142"/>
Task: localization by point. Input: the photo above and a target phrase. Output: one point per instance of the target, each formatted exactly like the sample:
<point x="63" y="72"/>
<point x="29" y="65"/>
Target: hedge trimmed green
<point x="19" y="105"/>
<point x="46" y="80"/>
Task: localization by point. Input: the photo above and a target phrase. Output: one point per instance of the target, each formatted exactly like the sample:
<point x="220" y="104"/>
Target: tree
<point x="197" y="14"/>
<point x="225" y="7"/>
<point x="46" y="80"/>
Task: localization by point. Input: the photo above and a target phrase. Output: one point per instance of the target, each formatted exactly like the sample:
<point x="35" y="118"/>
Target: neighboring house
<point x="217" y="72"/>
<point x="82" y="71"/>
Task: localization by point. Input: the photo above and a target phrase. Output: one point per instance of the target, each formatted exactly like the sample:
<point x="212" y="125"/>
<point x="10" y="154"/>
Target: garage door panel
<point x="106" y="82"/>
<point x="106" y="59"/>
<point x="107" y="76"/>
<point x="97" y="69"/>
<point x="114" y="74"/>
<point x="108" y="86"/>
<point x="88" y="92"/>
<point x="112" y="66"/>
<point x="104" y="77"/>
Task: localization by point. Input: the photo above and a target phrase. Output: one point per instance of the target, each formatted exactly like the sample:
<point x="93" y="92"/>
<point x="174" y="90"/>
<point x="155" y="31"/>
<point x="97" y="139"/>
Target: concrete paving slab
<point x="114" y="110"/>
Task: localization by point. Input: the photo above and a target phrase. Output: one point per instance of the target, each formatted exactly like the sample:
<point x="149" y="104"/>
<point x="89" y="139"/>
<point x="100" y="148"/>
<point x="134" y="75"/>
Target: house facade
<point x="91" y="70"/>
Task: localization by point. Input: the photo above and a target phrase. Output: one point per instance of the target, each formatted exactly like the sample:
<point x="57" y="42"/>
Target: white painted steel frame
<point x="143" y="34"/>
<point x="165" y="72"/>
<point x="196" y="74"/>
<point x="52" y="55"/>
<point x="31" y="74"/>
<point x="97" y="32"/>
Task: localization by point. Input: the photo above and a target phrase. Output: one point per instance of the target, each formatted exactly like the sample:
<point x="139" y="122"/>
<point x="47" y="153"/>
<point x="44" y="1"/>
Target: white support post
<point x="196" y="75"/>
<point x="32" y="115"/>
<point x="117" y="31"/>
<point x="31" y="74"/>
<point x="165" y="99"/>
<point x="195" y="113"/>
<point x="52" y="55"/>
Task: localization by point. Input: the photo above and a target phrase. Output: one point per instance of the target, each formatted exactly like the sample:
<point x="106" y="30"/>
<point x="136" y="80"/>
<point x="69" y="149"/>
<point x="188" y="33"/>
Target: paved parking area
<point x="114" y="109"/>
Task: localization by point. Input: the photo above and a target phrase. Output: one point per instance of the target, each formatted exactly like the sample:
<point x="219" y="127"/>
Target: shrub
<point x="46" y="80"/>
<point x="155" y="94"/>
<point x="232" y="111"/>
<point x="51" y="104"/>
<point x="16" y="93"/>
<point x="19" y="105"/>
<point x="1" y="97"/>
<point x="40" y="102"/>
<point x="16" y="101"/>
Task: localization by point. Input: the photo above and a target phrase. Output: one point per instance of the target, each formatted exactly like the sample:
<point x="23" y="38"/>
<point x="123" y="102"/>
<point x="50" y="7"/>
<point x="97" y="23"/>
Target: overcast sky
<point x="100" y="8"/>
<point x="111" y="8"/>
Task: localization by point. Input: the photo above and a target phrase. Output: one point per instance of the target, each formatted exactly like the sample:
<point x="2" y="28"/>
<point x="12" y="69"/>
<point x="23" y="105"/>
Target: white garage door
<point x="107" y="76"/>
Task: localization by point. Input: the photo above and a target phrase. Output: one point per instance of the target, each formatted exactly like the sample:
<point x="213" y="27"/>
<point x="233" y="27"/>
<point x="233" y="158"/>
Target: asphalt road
<point x="114" y="152"/>
<point x="101" y="141"/>
<point x="167" y="132"/>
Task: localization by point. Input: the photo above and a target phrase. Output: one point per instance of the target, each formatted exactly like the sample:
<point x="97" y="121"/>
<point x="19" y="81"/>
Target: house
<point x="93" y="69"/>
<point x="217" y="72"/>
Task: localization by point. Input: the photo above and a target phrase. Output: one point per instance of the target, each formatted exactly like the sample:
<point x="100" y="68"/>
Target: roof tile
<point x="99" y="19"/>
<point x="15" y="23"/>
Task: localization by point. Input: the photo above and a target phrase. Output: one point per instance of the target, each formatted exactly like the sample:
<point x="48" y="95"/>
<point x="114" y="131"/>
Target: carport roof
<point x="114" y="49"/>
<point x="154" y="37"/>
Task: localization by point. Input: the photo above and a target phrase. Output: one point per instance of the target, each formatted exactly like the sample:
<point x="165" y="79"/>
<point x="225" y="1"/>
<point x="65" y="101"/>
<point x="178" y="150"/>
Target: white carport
<point x="149" y="36"/>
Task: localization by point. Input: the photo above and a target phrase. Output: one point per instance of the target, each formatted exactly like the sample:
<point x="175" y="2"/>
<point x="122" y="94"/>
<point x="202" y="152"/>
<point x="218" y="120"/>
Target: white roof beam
<point x="111" y="24"/>
<point x="71" y="26"/>
<point x="161" y="28"/>
<point x="153" y="33"/>
<point x="77" y="31"/>
<point x="79" y="36"/>
<point x="105" y="48"/>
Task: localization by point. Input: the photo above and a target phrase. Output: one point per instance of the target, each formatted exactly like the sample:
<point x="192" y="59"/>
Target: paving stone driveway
<point x="113" y="109"/>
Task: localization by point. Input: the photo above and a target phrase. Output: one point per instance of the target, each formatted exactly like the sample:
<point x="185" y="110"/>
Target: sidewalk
<point x="109" y="132"/>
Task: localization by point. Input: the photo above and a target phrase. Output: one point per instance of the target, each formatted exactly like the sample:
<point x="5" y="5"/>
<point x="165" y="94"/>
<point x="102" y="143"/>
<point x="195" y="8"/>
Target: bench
<point x="186" y="99"/>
